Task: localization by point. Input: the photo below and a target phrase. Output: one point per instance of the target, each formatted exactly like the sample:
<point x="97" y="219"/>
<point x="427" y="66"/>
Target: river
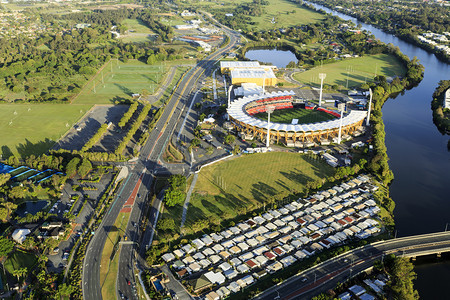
<point x="418" y="157"/>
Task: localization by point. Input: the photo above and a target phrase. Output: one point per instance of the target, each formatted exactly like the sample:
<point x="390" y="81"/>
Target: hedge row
<point x="133" y="129"/>
<point x="95" y="138"/>
<point x="127" y="116"/>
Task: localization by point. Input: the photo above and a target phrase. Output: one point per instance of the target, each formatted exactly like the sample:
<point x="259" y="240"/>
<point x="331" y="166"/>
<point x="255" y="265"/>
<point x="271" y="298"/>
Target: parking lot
<point x="85" y="128"/>
<point x="83" y="209"/>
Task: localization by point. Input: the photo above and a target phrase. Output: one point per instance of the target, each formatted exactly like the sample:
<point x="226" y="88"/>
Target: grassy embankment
<point x="109" y="268"/>
<point x="357" y="70"/>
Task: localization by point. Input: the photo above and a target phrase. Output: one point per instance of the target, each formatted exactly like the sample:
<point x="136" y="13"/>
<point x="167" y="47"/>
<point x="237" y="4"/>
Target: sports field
<point x="303" y="115"/>
<point x="118" y="80"/>
<point x="27" y="129"/>
<point x="357" y="70"/>
<point x="245" y="183"/>
<point x="137" y="31"/>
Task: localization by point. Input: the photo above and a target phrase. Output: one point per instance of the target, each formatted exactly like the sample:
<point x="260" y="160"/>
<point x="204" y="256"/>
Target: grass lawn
<point x="359" y="70"/>
<point x="33" y="128"/>
<point x="19" y="259"/>
<point x="137" y="31"/>
<point x="282" y="13"/>
<point x="228" y="188"/>
<point x="109" y="269"/>
<point x="303" y="116"/>
<point x="120" y="80"/>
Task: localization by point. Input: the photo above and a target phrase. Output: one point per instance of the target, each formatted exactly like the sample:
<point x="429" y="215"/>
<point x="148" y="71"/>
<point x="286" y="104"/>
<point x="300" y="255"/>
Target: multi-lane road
<point x="137" y="185"/>
<point x="326" y="275"/>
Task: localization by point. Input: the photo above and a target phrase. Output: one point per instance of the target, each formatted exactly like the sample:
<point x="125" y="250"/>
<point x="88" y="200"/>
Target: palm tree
<point x="19" y="273"/>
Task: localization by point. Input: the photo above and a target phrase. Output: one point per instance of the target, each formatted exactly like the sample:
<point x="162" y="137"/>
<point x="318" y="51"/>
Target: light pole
<point x="229" y="100"/>
<point x="446" y="224"/>
<point x="269" y="109"/>
<point x="264" y="84"/>
<point x="322" y="77"/>
<point x="370" y="106"/>
<point x="340" y="122"/>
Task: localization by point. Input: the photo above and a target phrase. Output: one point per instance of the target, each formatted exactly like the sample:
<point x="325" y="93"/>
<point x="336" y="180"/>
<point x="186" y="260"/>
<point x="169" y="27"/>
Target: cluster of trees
<point x="74" y="166"/>
<point x="48" y="68"/>
<point x="176" y="192"/>
<point x="127" y="116"/>
<point x="241" y="15"/>
<point x="325" y="33"/>
<point x="134" y="128"/>
<point x="95" y="138"/>
<point x="441" y="115"/>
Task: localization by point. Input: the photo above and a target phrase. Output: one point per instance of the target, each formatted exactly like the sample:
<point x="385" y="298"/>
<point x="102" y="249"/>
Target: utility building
<point x="248" y="72"/>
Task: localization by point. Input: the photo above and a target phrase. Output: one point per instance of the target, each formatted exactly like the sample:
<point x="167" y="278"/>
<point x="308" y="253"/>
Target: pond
<point x="30" y="207"/>
<point x="276" y="57"/>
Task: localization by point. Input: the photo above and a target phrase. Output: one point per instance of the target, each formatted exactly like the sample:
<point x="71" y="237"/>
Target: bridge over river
<point x="327" y="274"/>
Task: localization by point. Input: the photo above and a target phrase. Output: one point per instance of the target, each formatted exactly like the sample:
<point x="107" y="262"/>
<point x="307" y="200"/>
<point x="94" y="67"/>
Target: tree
<point x="167" y="224"/>
<point x="19" y="273"/>
<point x="403" y="274"/>
<point x="178" y="181"/>
<point x="6" y="246"/>
<point x="84" y="168"/>
<point x="4" y="178"/>
<point x="71" y="168"/>
<point x="173" y="197"/>
<point x="65" y="290"/>
<point x="230" y="139"/>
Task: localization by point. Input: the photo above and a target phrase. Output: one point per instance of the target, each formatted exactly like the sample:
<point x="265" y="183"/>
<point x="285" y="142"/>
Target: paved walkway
<point x="188" y="197"/>
<point x="162" y="88"/>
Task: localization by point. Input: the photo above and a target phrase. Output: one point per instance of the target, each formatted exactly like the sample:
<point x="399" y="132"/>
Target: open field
<point x="109" y="269"/>
<point x="230" y="188"/>
<point x="282" y="11"/>
<point x="303" y="116"/>
<point x="358" y="70"/>
<point x="137" y="31"/>
<point x="33" y="128"/>
<point x="119" y="80"/>
<point x="19" y="259"/>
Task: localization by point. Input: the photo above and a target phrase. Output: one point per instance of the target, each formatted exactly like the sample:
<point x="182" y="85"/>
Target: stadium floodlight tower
<point x="370" y="106"/>
<point x="322" y="77"/>
<point x="269" y="110"/>
<point x="264" y="84"/>
<point x="229" y="99"/>
<point x="342" y="108"/>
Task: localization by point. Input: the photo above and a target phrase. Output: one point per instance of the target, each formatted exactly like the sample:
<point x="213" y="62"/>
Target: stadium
<point x="241" y="113"/>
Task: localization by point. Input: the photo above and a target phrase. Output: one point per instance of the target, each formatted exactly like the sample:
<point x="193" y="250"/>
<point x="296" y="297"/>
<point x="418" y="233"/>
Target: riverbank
<point x="401" y="33"/>
<point x="418" y="154"/>
<point x="441" y="115"/>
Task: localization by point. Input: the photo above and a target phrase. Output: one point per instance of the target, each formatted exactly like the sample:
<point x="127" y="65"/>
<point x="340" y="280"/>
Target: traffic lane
<point x="344" y="261"/>
<point x="125" y="277"/>
<point x="91" y="267"/>
<point x="358" y="260"/>
<point x="172" y="110"/>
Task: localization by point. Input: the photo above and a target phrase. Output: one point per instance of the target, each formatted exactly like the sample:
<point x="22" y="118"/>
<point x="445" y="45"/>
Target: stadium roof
<point x="252" y="73"/>
<point x="239" y="64"/>
<point x="237" y="112"/>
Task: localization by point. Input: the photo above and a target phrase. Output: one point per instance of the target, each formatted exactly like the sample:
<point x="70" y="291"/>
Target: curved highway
<point x="326" y="275"/>
<point x="137" y="185"/>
